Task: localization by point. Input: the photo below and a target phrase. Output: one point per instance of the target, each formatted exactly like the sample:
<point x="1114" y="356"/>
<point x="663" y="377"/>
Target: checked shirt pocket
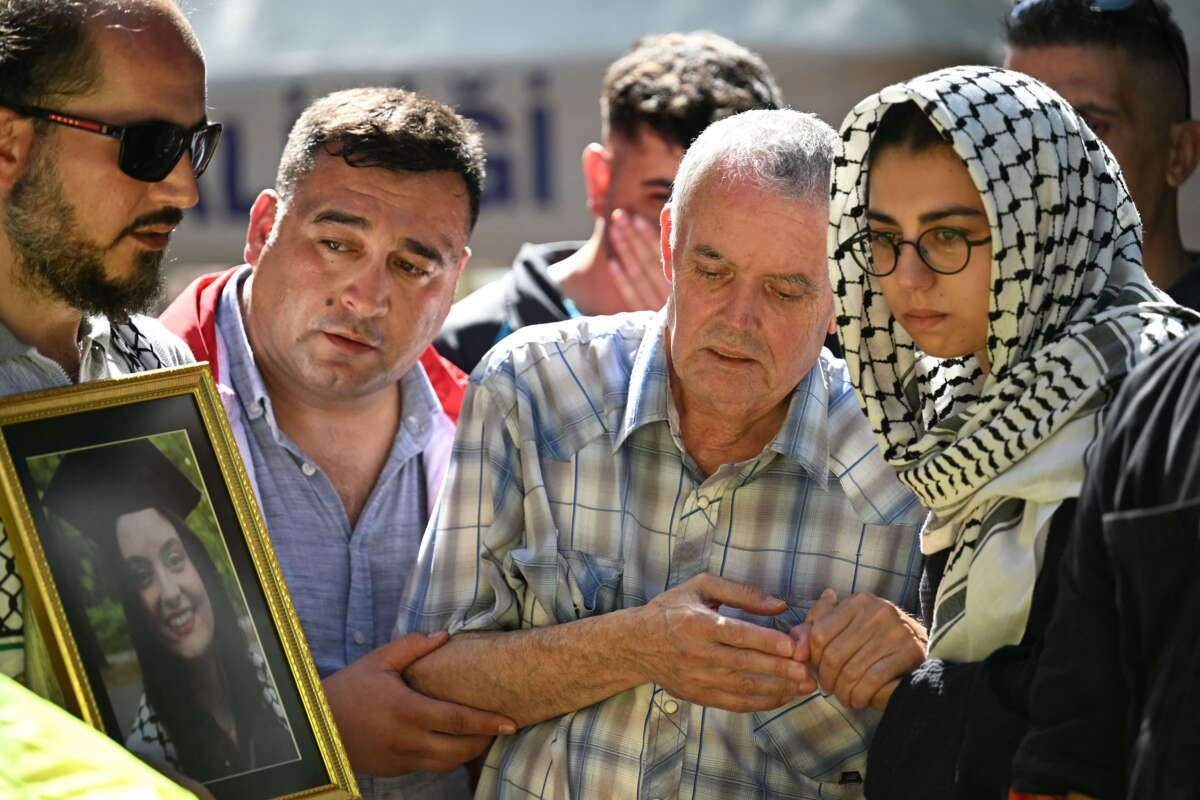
<point x="569" y="584"/>
<point x="817" y="743"/>
<point x="593" y="582"/>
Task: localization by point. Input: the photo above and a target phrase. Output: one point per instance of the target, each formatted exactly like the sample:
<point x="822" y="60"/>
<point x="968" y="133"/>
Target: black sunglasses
<point x="149" y="150"/>
<point x="1148" y="11"/>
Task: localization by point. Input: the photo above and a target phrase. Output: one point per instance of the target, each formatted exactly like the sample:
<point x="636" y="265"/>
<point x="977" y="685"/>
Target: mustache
<point x="168" y="215"/>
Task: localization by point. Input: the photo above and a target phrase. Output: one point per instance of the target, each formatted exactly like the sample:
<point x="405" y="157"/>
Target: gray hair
<point x="783" y="151"/>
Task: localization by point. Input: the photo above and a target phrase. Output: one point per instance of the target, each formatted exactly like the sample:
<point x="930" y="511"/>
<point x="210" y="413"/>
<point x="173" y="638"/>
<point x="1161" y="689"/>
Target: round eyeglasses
<point x="944" y="250"/>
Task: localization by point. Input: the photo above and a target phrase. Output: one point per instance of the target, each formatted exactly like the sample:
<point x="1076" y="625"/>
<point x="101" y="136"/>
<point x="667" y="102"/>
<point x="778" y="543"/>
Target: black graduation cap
<point x="92" y="487"/>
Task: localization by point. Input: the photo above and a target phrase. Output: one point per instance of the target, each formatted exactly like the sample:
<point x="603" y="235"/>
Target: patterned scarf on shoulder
<point x="1071" y="312"/>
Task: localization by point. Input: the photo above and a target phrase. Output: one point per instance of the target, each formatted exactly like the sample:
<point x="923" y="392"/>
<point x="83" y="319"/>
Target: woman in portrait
<point x="986" y="266"/>
<point x="209" y="708"/>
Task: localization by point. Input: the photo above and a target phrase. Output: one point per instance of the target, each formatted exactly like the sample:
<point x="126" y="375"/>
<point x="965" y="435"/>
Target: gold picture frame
<point x="156" y="602"/>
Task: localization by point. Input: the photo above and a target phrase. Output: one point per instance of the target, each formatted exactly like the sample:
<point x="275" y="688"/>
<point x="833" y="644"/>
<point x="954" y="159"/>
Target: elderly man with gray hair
<point x="638" y="508"/>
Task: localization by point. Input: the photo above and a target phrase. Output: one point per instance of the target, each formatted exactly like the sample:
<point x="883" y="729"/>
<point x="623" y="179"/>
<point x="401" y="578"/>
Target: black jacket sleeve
<point x="950" y="729"/>
<point x="1122" y="633"/>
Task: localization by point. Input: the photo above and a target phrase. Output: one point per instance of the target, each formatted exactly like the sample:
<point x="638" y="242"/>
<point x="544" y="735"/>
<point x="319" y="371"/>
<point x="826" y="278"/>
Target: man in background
<point x="1125" y="71"/>
<point x="656" y="99"/>
<point x="343" y="415"/>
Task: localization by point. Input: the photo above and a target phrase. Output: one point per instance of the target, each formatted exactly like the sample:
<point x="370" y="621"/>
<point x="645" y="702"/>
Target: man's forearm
<point x="533" y="675"/>
<point x="677" y="640"/>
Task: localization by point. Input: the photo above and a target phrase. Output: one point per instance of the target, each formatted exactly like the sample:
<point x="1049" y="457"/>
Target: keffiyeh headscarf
<point x="1071" y="311"/>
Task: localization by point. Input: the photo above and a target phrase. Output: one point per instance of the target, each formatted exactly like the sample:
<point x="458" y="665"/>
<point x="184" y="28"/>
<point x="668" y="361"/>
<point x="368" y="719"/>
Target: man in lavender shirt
<point x="343" y="414"/>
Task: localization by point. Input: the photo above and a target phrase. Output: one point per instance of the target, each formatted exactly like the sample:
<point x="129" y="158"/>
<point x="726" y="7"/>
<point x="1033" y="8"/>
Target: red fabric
<point x="449" y="382"/>
<point x="1013" y="794"/>
<point x="192" y="316"/>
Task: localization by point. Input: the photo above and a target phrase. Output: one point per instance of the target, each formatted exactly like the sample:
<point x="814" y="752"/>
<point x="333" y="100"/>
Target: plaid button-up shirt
<point x="570" y="494"/>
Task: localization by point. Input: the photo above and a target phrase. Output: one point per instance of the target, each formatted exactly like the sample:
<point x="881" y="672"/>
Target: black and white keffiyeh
<point x="1071" y="311"/>
<point x="149" y="737"/>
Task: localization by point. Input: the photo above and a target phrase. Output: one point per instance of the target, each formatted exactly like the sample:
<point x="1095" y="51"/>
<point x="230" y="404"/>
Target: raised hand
<point x="636" y="262"/>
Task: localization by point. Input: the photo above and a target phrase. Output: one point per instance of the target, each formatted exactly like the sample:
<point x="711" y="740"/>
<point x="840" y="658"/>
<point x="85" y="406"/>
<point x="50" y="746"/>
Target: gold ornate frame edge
<point x="38" y="581"/>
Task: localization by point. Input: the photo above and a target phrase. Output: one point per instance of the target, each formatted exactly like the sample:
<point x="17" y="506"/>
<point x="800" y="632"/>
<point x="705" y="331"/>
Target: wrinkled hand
<point x="860" y="647"/>
<point x="636" y="262"/>
<point x="703" y="657"/>
<point x="389" y="729"/>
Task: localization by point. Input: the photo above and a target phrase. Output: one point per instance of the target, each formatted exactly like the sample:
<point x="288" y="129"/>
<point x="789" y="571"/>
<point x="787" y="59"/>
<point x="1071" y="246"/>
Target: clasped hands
<point x="857" y="649"/>
<point x="860" y="647"/>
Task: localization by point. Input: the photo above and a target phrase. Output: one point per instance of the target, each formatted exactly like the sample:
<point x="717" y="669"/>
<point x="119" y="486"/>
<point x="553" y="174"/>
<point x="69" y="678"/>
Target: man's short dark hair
<point x="384" y="127"/>
<point x="679" y="83"/>
<point x="46" y="51"/>
<point x="1145" y="31"/>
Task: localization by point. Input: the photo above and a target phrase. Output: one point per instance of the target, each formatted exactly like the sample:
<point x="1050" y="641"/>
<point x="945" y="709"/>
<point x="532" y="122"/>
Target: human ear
<point x="262" y="221"/>
<point x="1183" y="152"/>
<point x="597" y="176"/>
<point x="16" y="140"/>
<point x="664" y="226"/>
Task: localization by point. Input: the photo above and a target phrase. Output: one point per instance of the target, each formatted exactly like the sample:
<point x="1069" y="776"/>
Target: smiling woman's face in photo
<point x="171" y="590"/>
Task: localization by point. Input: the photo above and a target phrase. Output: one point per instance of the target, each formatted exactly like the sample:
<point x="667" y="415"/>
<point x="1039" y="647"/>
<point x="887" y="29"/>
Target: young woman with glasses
<point x="986" y="263"/>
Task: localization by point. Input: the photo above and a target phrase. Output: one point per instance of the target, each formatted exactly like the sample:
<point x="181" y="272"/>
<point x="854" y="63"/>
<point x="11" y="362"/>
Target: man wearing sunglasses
<point x="103" y="133"/>
<point x="1123" y="65"/>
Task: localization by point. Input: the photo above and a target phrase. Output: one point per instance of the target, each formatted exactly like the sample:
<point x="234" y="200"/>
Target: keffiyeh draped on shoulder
<point x="1071" y="311"/>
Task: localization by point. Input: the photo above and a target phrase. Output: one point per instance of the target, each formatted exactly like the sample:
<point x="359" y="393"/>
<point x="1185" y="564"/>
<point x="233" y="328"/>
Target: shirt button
<point x="702" y="502"/>
<point x="256" y="408"/>
<point x="410" y="421"/>
<point x="308" y="469"/>
<point x="359" y="638"/>
<point x="670" y="706"/>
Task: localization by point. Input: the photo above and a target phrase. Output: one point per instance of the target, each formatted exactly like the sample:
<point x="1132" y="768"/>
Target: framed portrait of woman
<point x="152" y="582"/>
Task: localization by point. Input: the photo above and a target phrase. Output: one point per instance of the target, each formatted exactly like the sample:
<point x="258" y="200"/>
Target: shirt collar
<point x="803" y="436"/>
<point x="649" y="395"/>
<point x="242" y="371"/>
<point x="95" y="328"/>
<point x="420" y="404"/>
